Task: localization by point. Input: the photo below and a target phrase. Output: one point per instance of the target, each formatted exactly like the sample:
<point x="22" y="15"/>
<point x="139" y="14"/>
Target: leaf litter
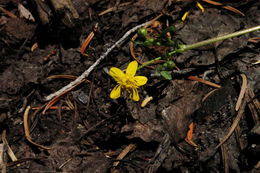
<point x="97" y="131"/>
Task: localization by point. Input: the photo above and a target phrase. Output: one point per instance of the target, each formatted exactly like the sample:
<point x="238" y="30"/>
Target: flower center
<point x="129" y="82"/>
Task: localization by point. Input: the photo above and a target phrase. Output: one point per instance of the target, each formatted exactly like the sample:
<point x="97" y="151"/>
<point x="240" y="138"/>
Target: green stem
<point x="149" y="62"/>
<point x="184" y="48"/>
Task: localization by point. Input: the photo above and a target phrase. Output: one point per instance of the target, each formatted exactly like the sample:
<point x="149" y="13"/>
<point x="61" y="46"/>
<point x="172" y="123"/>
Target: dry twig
<point x="93" y="66"/>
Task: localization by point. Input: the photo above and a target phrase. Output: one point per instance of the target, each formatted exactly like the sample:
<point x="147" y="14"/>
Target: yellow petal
<point x="200" y="7"/>
<point x="116" y="92"/>
<point x="117" y="74"/>
<point x="131" y="68"/>
<point x="140" y="80"/>
<point x="134" y="94"/>
<point x="185" y="15"/>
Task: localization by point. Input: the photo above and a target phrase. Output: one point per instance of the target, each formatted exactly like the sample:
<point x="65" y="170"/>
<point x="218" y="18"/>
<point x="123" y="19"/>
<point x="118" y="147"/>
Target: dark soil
<point x="90" y="135"/>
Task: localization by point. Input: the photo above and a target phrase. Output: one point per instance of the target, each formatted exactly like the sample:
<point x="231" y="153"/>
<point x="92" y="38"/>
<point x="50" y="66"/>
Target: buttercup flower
<point x="127" y="81"/>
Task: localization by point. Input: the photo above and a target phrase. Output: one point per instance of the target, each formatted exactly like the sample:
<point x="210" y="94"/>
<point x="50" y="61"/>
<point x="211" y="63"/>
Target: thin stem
<point x="149" y="62"/>
<point x="184" y="48"/>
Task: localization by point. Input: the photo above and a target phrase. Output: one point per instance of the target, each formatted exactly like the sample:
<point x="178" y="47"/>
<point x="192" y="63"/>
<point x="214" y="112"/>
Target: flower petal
<point x="131" y="68"/>
<point x="140" y="80"/>
<point x="117" y="74"/>
<point x="116" y="92"/>
<point x="134" y="94"/>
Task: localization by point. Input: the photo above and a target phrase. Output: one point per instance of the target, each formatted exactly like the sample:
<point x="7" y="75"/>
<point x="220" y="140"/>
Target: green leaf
<point x="167" y="75"/>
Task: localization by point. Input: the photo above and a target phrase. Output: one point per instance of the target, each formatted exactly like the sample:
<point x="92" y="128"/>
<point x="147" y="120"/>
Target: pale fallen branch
<point x="92" y="67"/>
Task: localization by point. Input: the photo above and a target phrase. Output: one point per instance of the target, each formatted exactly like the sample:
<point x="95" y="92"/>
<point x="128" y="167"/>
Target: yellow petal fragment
<point x="200" y="7"/>
<point x="134" y="94"/>
<point x="116" y="92"/>
<point x="117" y="74"/>
<point x="131" y="68"/>
<point x="185" y="15"/>
<point x="140" y="80"/>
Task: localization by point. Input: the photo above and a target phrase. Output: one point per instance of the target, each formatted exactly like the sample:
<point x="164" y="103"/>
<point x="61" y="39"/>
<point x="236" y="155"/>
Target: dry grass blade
<point x="242" y="91"/>
<point x="204" y="81"/>
<point x="208" y="94"/>
<point x="226" y="7"/>
<point x="2" y="162"/>
<point x="27" y="130"/>
<point x="65" y="76"/>
<point x="189" y="136"/>
<point x="131" y="48"/>
<point x="234" y="10"/>
<point x="53" y="107"/>
<point x="62" y="76"/>
<point x="9" y="149"/>
<point x="114" y="8"/>
<point x="254" y="39"/>
<point x="235" y="122"/>
<point x="224" y="158"/>
<point x="88" y="40"/>
<point x="62" y="165"/>
<point x="8" y="13"/>
<point x="254" y="106"/>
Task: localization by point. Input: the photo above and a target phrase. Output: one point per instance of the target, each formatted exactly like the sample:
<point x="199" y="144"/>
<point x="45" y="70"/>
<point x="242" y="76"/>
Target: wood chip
<point x="24" y="13"/>
<point x="125" y="151"/>
<point x="145" y="101"/>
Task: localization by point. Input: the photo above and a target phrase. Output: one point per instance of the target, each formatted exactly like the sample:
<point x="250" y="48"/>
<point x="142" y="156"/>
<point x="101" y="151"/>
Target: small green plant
<point x="162" y="39"/>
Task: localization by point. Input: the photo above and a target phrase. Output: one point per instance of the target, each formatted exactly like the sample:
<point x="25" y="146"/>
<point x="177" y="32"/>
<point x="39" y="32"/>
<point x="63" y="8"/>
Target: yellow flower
<point x="127" y="81"/>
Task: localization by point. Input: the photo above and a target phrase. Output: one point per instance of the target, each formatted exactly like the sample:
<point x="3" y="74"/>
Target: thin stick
<point x="124" y="152"/>
<point x="92" y="67"/>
